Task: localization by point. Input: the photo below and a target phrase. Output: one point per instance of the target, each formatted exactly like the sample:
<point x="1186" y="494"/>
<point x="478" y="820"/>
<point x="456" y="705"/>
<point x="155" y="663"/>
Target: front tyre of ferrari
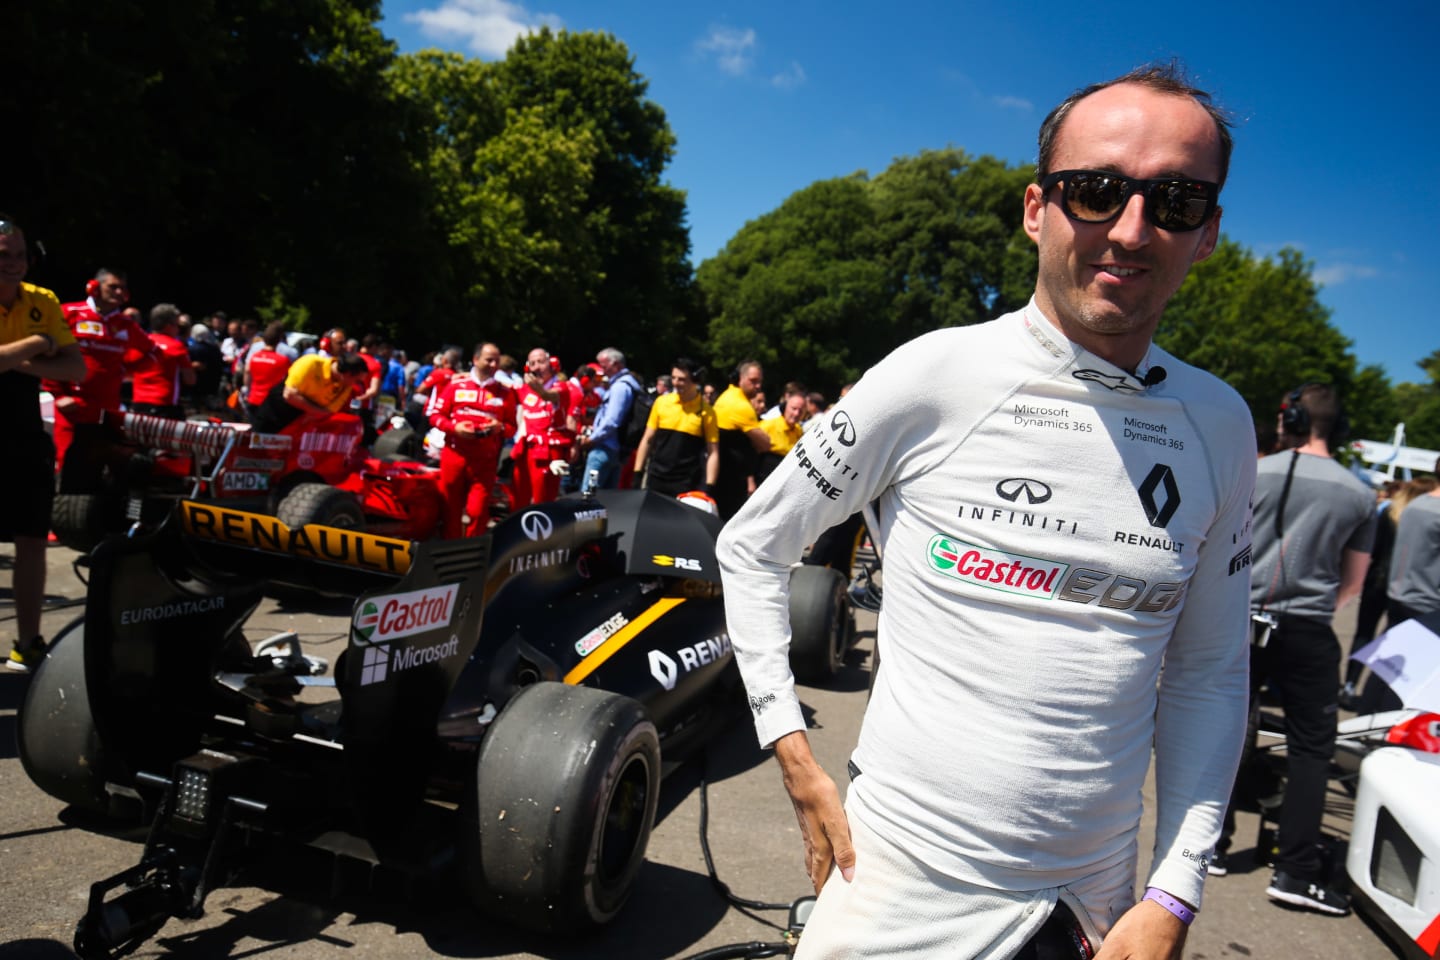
<point x="559" y="811"/>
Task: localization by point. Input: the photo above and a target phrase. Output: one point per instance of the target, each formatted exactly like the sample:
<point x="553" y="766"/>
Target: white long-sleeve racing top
<point x="1066" y="583"/>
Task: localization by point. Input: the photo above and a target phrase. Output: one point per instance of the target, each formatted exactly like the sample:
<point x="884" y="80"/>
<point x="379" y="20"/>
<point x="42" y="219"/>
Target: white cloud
<point x="733" y="49"/>
<point x="791" y="78"/>
<point x="1013" y="103"/>
<point x="486" y="27"/>
<point x="1334" y="274"/>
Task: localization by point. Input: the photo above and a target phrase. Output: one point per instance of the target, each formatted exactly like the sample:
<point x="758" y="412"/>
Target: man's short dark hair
<point x="1322" y="403"/>
<point x="350" y="364"/>
<point x="104" y="272"/>
<point x="691" y="368"/>
<point x="274" y="332"/>
<point x="1168" y="78"/>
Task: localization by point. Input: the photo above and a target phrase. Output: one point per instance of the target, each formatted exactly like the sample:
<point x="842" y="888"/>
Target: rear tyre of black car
<point x="820" y="626"/>
<point x="59" y="747"/>
<point x="560" y="809"/>
<point x="322" y="504"/>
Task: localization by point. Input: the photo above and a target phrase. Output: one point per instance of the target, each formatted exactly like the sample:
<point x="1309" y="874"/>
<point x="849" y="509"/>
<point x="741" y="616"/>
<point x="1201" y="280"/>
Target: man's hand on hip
<point x="822" y="820"/>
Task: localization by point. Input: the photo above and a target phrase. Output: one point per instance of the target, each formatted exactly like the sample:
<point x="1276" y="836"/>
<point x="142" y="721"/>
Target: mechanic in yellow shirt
<point x="741" y="439"/>
<point x="316" y="386"/>
<point x="784" y="431"/>
<point x="35" y="342"/>
<point x="680" y="450"/>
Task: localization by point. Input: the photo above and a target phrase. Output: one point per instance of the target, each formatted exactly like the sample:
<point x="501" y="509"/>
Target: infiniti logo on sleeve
<point x="844" y="429"/>
<point x="1035" y="491"/>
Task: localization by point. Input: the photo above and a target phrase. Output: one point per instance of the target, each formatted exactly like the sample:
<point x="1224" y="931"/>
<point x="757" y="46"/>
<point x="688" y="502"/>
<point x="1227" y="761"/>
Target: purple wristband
<point x="1182" y="912"/>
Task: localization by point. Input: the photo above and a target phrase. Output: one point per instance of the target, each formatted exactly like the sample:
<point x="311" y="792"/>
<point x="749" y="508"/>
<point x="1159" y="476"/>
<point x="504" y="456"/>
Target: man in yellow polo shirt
<point x="35" y="342"/>
<point x="783" y="431"/>
<point x="681" y="441"/>
<point x="741" y="439"/>
<point x="316" y="386"/>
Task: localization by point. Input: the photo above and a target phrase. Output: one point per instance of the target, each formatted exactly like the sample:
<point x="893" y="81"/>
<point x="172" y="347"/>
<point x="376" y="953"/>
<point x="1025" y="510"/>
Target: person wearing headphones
<point x="110" y="340"/>
<point x="1313" y="529"/>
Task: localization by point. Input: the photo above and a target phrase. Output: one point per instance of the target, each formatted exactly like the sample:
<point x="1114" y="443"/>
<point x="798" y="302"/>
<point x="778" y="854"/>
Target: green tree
<point x="847" y="269"/>
<point x="1259" y="325"/>
<point x="941" y="218"/>
<point x="545" y="176"/>
<point x="218" y="149"/>
<point x="800" y="289"/>
<point x="1418" y="406"/>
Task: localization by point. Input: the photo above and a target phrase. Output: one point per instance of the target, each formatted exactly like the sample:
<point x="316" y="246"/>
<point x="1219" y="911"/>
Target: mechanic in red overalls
<point x="548" y="413"/>
<point x="156" y="381"/>
<point x="476" y="413"/>
<point x="109" y="340"/>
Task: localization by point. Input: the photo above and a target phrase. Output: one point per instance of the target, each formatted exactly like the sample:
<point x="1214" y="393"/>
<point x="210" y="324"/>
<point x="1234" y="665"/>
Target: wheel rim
<point x="623" y="829"/>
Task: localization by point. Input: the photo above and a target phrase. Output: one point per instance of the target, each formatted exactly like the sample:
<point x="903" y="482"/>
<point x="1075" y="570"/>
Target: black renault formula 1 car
<point x="503" y="703"/>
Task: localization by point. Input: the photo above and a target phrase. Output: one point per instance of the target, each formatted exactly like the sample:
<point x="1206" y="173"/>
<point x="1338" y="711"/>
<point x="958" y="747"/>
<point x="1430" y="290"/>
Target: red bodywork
<point x="228" y="462"/>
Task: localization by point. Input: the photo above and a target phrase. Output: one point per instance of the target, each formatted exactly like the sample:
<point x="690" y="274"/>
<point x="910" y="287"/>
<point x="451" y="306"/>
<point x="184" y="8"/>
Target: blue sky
<point x="1336" y="143"/>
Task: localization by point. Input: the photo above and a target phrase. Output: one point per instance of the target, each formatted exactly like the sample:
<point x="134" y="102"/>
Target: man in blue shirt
<point x="604" y="453"/>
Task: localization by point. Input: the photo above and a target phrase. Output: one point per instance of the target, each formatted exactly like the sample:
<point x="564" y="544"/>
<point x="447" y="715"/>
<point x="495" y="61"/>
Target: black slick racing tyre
<point x="59" y="747"/>
<point x="323" y="504"/>
<point x="82" y="520"/>
<point x="560" y="809"/>
<point x="819" y="623"/>
<point x="398" y="443"/>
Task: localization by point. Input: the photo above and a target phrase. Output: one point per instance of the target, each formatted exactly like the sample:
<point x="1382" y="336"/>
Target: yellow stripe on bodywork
<point x="623" y="636"/>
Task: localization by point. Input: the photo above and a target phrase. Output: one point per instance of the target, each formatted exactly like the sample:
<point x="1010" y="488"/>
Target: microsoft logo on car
<point x="376" y="666"/>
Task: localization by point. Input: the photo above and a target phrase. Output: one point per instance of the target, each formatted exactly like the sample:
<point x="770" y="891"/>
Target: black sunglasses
<point x="1095" y="196"/>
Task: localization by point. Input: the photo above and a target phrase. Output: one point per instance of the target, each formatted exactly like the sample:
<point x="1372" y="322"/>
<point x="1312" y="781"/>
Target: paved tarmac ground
<point x="295" y="907"/>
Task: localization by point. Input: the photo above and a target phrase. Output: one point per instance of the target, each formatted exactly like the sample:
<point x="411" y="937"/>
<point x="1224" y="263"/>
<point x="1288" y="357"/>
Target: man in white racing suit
<point x="1065" y="517"/>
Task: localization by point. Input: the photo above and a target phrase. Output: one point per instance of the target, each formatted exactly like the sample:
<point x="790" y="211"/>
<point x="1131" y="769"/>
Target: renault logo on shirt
<point x="1034" y="490"/>
<point x="1159" y="509"/>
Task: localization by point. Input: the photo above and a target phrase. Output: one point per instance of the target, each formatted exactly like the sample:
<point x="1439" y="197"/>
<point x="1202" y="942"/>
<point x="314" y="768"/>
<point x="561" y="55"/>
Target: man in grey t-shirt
<point x="1414" y="588"/>
<point x="1314" y="523"/>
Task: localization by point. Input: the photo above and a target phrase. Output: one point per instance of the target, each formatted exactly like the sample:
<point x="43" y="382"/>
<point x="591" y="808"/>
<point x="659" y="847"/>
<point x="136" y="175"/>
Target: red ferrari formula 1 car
<point x="134" y="467"/>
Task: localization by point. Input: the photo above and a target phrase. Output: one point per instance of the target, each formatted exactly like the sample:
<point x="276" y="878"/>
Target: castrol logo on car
<point x="391" y="617"/>
<point x="995" y="569"/>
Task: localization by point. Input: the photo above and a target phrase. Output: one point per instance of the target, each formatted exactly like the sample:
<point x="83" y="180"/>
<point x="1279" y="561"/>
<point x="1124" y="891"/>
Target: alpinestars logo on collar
<point x="1109" y="381"/>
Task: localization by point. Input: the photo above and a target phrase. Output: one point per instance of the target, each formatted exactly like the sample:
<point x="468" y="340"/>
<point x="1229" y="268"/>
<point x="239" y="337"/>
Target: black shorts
<point x="26" y="511"/>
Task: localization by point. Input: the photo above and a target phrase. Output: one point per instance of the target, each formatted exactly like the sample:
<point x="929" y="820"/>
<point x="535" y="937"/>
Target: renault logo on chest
<point x="537" y="525"/>
<point x="1034" y="490"/>
<point x="1159" y="495"/>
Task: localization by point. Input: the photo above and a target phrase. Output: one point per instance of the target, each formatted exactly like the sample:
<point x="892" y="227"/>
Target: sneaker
<point x="26" y="658"/>
<point x="1219" y="864"/>
<point x="1308" y="894"/>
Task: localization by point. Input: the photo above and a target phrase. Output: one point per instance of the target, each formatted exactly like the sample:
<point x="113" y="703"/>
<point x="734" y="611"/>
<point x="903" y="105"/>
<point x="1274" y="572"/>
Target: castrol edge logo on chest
<point x="995" y="569"/>
<point x="397" y="615"/>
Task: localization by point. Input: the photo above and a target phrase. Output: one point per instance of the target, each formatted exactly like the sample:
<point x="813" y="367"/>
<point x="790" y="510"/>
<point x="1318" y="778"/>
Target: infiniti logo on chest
<point x="1035" y="491"/>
